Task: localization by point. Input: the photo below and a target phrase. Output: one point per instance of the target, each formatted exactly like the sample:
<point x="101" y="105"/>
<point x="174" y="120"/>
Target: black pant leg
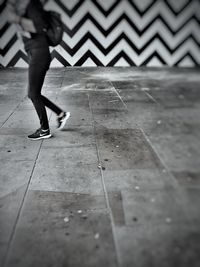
<point x="51" y="105"/>
<point x="39" y="64"/>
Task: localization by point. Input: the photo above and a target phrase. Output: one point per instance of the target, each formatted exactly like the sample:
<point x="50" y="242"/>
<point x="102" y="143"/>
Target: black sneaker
<point x="61" y="121"/>
<point x="40" y="134"/>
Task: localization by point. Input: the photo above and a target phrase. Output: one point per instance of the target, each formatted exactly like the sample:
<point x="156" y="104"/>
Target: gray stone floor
<point x="119" y="186"/>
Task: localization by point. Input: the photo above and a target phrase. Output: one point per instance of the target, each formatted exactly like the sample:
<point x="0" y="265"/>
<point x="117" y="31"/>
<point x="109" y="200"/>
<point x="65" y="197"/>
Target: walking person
<point x="30" y="18"/>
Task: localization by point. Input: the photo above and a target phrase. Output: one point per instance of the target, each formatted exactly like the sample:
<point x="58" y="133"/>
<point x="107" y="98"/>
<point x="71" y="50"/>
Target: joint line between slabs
<point x="13" y="111"/>
<point x="177" y="187"/>
<point x="151" y="97"/>
<point x="115" y="90"/>
<point x="20" y="211"/>
<point x="105" y="191"/>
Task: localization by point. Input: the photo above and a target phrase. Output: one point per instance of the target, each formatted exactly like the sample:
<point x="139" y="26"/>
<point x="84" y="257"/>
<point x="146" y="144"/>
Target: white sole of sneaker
<point x="41" y="137"/>
<point x="64" y="121"/>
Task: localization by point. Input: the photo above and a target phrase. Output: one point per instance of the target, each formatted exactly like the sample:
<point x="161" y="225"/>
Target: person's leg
<point x="62" y="116"/>
<point x="51" y="105"/>
<point x="37" y="72"/>
<point x="36" y="78"/>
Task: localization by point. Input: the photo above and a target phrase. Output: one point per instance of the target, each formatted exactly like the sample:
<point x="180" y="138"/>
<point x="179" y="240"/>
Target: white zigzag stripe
<point x="122" y="46"/>
<point x="177" y="5"/>
<point x="124" y="7"/>
<point x="7" y="36"/>
<point x="138" y="59"/>
<point x="70" y="3"/>
<point x="124" y="27"/>
<point x="139" y="41"/>
<point x="4" y="18"/>
<point x="106" y="4"/>
<point x="12" y="51"/>
<point x="160" y="8"/>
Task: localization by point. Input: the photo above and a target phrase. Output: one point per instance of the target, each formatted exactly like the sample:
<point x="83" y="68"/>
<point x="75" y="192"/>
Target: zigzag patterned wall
<point x="116" y="33"/>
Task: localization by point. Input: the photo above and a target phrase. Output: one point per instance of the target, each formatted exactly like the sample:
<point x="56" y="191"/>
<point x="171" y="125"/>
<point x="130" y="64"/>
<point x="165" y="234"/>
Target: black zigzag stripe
<point x="17" y="56"/>
<point x="122" y="54"/>
<point x="191" y="39"/>
<point x="106" y="51"/>
<point x="131" y="63"/>
<point x="55" y="54"/>
<point x="9" y="45"/>
<point x="153" y="55"/>
<point x="188" y="54"/>
<point x="69" y="12"/>
<point x="142" y="12"/>
<point x="88" y="16"/>
<point x="4" y="29"/>
<point x="176" y="13"/>
<point x="117" y="2"/>
<point x="2" y="6"/>
<point x="106" y="13"/>
<point x="87" y="55"/>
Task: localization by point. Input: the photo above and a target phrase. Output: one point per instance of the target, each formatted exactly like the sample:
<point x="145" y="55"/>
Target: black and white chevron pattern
<point x="116" y="33"/>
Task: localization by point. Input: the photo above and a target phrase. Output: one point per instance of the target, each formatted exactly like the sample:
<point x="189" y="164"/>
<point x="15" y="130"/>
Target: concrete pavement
<point x="119" y="186"/>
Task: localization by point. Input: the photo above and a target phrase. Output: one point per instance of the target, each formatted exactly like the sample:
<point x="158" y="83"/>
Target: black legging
<point x="39" y="61"/>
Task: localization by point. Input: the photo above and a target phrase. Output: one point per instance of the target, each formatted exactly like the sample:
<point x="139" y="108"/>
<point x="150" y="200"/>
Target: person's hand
<point x="13" y="18"/>
<point x="27" y="25"/>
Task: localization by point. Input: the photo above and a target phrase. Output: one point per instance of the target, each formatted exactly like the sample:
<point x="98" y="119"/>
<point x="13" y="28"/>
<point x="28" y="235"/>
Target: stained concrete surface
<point x="119" y="186"/>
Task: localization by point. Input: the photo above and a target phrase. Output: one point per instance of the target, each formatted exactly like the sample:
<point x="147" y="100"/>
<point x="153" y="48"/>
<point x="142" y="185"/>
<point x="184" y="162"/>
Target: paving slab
<point x="79" y="178"/>
<point x="116" y="205"/>
<point x="17" y="119"/>
<point x="178" y="152"/>
<point x="71" y="136"/>
<point x="14" y="175"/>
<point x="72" y="96"/>
<point x="12" y="74"/>
<point x="14" y="147"/>
<point x="107" y="98"/>
<point x="5" y="111"/>
<point x="50" y="157"/>
<point x="10" y="100"/>
<point x="56" y="72"/>
<point x="79" y="116"/>
<point x="169" y="122"/>
<point x="134" y="97"/>
<point x="64" y="237"/>
<point x="177" y="95"/>
<point x="191" y="204"/>
<point x="25" y="104"/>
<point x="53" y="82"/>
<point x="9" y="209"/>
<point x="187" y="179"/>
<point x="125" y="149"/>
<point x="19" y="131"/>
<point x="143" y="116"/>
<point x="119" y="186"/>
<point x="174" y="245"/>
<point x="130" y="85"/>
<point x="111" y="118"/>
<point x="158" y="206"/>
<point x="138" y="179"/>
